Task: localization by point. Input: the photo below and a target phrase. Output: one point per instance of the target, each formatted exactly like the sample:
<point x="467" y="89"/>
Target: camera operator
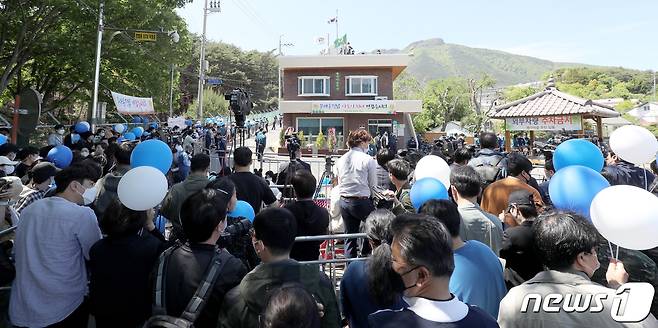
<point x="203" y="216"/>
<point x="293" y="144"/>
<point x="250" y="187"/>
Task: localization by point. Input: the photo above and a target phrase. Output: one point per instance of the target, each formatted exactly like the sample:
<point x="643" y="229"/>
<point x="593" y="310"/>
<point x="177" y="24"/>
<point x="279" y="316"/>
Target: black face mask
<point x="398" y="283"/>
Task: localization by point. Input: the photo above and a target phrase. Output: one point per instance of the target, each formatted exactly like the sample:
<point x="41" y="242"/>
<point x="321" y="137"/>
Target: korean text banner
<point x="132" y="105"/>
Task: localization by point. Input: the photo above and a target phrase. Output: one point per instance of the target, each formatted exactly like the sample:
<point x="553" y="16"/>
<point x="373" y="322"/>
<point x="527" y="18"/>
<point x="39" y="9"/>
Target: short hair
<point x="548" y="165"/>
<point x="123" y="152"/>
<point x="399" y="169"/>
<point x="199" y="162"/>
<point x="654" y="167"/>
<point x="466" y="180"/>
<point x="356" y="137"/>
<point x="8" y="148"/>
<point x="277" y="229"/>
<point x="380" y="275"/>
<point x="225" y="186"/>
<point x="517" y="163"/>
<point x="424" y="241"/>
<point x="291" y="306"/>
<point x="201" y="213"/>
<point x="528" y="211"/>
<point x="384" y="156"/>
<point x="84" y="170"/>
<point x="462" y="155"/>
<point x="445" y="211"/>
<point x="27" y="151"/>
<point x="561" y="236"/>
<point x="123" y="220"/>
<point x="304" y="183"/>
<point x="488" y="140"/>
<point x="242" y="156"/>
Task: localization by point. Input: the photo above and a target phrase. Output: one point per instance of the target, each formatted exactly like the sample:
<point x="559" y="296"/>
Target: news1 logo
<point x="631" y="302"/>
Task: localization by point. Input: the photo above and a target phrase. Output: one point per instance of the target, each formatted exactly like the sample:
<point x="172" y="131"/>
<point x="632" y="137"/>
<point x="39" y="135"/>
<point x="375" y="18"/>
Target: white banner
<point x="176" y="121"/>
<point x="351" y="107"/>
<point x="132" y="105"/>
<point x="544" y="123"/>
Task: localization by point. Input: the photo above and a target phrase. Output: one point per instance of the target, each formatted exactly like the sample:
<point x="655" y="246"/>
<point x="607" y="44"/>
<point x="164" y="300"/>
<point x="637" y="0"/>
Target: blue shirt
<point x="356" y="301"/>
<point x="52" y="243"/>
<point x="478" y="277"/>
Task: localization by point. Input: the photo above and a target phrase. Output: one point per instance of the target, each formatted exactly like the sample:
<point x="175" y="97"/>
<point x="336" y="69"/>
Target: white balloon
<point x="142" y="188"/>
<point x="634" y="144"/>
<point x="432" y="166"/>
<point x="626" y="216"/>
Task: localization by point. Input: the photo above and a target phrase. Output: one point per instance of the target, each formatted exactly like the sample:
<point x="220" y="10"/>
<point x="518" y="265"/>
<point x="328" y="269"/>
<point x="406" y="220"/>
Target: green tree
<point x="443" y="101"/>
<point x="518" y="92"/>
<point x="213" y="104"/>
<point x="406" y="86"/>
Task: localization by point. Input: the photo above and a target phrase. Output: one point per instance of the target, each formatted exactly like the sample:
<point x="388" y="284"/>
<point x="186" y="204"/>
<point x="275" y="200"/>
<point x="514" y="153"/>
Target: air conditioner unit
<point x="381" y="98"/>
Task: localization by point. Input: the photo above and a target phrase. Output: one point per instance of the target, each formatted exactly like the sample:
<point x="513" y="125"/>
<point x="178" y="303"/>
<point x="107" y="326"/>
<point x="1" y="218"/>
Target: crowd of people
<point x="77" y="252"/>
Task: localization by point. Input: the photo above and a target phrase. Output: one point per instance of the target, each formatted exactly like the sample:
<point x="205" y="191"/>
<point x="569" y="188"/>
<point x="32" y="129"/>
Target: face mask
<point x="60" y="131"/>
<point x="9" y="169"/>
<point x="89" y="195"/>
<point x="84" y="153"/>
<point x="398" y="283"/>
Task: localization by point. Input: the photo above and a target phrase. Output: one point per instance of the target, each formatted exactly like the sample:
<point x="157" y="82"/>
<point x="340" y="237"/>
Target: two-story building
<point x="345" y="92"/>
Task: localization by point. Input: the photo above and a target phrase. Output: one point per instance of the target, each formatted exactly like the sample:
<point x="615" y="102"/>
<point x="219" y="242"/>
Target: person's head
<point x="226" y="188"/>
<point x="77" y="182"/>
<point x="200" y="163"/>
<point x="60" y="129"/>
<point x="242" y="157"/>
<point x="203" y="216"/>
<point x="611" y="158"/>
<point x="446" y="212"/>
<point x="42" y="175"/>
<point x="304" y="184"/>
<point x="519" y="166"/>
<point x="359" y="138"/>
<point x="380" y="275"/>
<point x="465" y="182"/>
<point x="462" y="156"/>
<point x="123" y="220"/>
<point x="566" y="241"/>
<point x="123" y="152"/>
<point x="654" y="167"/>
<point x="522" y="206"/>
<point x="13" y="191"/>
<point x="7" y="166"/>
<point x="291" y="306"/>
<point x="9" y="150"/>
<point x="384" y="156"/>
<point x="488" y="140"/>
<point x="421" y="254"/>
<point x="28" y="155"/>
<point x="549" y="169"/>
<point x="398" y="171"/>
<point x="274" y="233"/>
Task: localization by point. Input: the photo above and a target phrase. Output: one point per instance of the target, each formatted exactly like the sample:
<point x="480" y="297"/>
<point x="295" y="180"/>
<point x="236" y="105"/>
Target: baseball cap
<point x="43" y="171"/>
<point x="4" y="160"/>
<point x="521" y="197"/>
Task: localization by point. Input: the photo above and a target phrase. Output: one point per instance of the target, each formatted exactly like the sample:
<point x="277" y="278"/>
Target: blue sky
<point x="604" y="32"/>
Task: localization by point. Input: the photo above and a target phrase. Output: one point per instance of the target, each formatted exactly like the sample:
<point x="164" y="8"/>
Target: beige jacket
<point x="564" y="283"/>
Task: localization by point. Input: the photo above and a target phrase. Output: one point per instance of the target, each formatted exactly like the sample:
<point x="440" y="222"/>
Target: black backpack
<point x="488" y="169"/>
<point x="186" y="320"/>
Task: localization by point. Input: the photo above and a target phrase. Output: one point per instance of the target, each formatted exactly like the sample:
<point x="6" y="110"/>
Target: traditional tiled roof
<point x="552" y="102"/>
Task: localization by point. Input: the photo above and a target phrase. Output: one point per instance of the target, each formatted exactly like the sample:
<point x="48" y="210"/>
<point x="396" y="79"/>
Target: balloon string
<point x="646" y="183"/>
<point x="611" y="252"/>
<point x="617" y="255"/>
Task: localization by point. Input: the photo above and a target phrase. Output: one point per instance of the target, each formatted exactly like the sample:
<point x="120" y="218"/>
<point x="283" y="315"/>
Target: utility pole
<point x="281" y="45"/>
<point x="202" y="65"/>
<point x="94" y="105"/>
<point x="171" y="93"/>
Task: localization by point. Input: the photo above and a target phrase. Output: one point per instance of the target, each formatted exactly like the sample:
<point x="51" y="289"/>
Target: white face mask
<point x="84" y="153"/>
<point x="60" y="131"/>
<point x="8" y="169"/>
<point x="89" y="195"/>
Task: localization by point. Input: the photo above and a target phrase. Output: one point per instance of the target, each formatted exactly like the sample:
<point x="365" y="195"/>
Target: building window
<point x="313" y="86"/>
<point x="361" y="86"/>
<point x="377" y="126"/>
<point x="313" y="126"/>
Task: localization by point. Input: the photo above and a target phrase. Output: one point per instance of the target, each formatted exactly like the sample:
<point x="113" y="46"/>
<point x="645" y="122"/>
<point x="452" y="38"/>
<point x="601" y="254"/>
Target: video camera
<point x="237" y="241"/>
<point x="233" y="231"/>
<point x="293" y="144"/>
<point x="240" y="104"/>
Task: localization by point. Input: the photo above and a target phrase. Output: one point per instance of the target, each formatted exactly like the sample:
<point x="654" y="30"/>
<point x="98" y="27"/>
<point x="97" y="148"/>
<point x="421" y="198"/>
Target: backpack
<point x="186" y="320"/>
<point x="488" y="169"/>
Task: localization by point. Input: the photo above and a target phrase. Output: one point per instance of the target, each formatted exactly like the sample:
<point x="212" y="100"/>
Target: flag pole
<point x="336" y="24"/>
<point x="328" y="45"/>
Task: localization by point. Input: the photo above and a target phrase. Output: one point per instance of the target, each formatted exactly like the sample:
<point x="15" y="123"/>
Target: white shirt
<point x="357" y="173"/>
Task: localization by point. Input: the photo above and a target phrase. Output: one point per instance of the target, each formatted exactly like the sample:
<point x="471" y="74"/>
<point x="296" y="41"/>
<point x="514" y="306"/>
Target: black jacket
<point x="519" y="252"/>
<point x="312" y="220"/>
<point x="120" y="268"/>
<point x="186" y="268"/>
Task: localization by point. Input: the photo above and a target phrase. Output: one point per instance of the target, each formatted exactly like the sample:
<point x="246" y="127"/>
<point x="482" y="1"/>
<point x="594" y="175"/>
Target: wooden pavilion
<point x="551" y="110"/>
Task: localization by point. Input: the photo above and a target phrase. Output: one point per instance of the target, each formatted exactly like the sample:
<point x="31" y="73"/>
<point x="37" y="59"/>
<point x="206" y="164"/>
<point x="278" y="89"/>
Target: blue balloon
<point x="243" y="209"/>
<point x="121" y="139"/>
<point x="119" y="128"/>
<point x="154" y="153"/>
<point x="61" y="156"/>
<point x="3" y="139"/>
<point x="189" y="122"/>
<point x="138" y="131"/>
<point x="145" y="120"/>
<point x="578" y="152"/>
<point x="427" y="189"/>
<point x="129" y="136"/>
<point x="137" y="120"/>
<point x="81" y="127"/>
<point x="573" y="188"/>
<point x="154" y="125"/>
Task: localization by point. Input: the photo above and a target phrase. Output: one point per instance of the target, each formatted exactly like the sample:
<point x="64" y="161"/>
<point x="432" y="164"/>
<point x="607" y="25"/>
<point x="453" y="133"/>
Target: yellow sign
<point x="145" y="36"/>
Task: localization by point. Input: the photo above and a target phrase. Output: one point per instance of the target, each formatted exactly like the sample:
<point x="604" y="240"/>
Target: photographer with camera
<point x="288" y="169"/>
<point x="250" y="187"/>
<point x="203" y="216"/>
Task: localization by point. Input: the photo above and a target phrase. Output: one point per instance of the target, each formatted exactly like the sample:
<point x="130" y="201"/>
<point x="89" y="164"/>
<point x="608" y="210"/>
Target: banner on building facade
<point x="132" y="105"/>
<point x="544" y="123"/>
<point x="353" y="107"/>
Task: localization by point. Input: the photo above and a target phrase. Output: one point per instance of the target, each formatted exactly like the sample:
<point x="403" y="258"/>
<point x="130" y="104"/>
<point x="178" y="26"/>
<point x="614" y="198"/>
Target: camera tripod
<point x="327" y="174"/>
